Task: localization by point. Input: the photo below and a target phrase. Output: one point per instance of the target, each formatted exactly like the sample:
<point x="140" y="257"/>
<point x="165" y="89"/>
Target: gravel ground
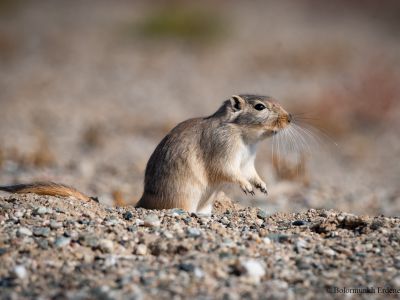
<point x="60" y="248"/>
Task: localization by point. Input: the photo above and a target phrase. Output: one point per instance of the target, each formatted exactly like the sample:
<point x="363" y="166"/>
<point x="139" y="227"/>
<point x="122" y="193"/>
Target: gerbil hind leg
<point x="190" y="198"/>
<point x="206" y="210"/>
<point x="205" y="207"/>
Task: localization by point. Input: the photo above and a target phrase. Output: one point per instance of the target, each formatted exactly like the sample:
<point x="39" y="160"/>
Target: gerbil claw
<point x="247" y="188"/>
<point x="247" y="191"/>
<point x="262" y="188"/>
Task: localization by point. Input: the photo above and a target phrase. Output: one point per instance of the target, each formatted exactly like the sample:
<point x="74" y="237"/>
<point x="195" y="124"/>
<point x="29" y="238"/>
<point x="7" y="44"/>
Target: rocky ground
<point x="60" y="248"/>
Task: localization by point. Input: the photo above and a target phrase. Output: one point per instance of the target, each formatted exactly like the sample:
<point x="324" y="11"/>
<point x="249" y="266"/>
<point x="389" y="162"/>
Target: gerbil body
<point x="191" y="163"/>
<point x="199" y="155"/>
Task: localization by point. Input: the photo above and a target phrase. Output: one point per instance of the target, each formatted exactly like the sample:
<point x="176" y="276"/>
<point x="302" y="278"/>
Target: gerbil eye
<point x="259" y="106"/>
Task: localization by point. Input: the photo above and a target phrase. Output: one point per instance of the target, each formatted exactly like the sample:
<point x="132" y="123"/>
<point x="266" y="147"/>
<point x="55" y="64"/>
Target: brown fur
<point x="200" y="154"/>
<point x="46" y="188"/>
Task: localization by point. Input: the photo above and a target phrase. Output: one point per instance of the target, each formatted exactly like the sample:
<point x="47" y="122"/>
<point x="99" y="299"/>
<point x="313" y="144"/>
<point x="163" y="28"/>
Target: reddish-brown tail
<point x="47" y="188"/>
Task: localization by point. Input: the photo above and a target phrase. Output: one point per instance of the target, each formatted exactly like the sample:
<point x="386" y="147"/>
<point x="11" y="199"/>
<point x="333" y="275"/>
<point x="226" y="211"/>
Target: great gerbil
<point x="199" y="155"/>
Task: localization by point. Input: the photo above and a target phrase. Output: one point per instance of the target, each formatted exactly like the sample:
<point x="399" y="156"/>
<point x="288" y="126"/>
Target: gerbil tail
<point x="47" y="188"/>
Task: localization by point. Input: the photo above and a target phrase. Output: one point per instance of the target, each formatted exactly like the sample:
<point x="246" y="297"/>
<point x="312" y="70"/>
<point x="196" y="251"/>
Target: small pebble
<point x="225" y="221"/>
<point x="19" y="214"/>
<point x="396" y="282"/>
<point x="151" y="221"/>
<point x="254" y="269"/>
<point x="106" y="246"/>
<point x="299" y="223"/>
<point x="267" y="241"/>
<point x="186" y="267"/>
<point x="168" y="234"/>
<point x="42" y="243"/>
<point x="198" y="272"/>
<point x="329" y="252"/>
<point x="41" y="231"/>
<point x="300" y="244"/>
<point x="111" y="221"/>
<point x="277" y="237"/>
<point x="259" y="222"/>
<point x="141" y="249"/>
<point x="303" y="263"/>
<point x="74" y="235"/>
<point x="193" y="232"/>
<point x="131" y="228"/>
<point x="55" y="224"/>
<point x="23" y="231"/>
<point x="60" y="210"/>
<point x="177" y="212"/>
<point x="20" y="272"/>
<point x="62" y="241"/>
<point x="89" y="240"/>
<point x="40" y="210"/>
<point x="261" y="214"/>
<point x="128" y="215"/>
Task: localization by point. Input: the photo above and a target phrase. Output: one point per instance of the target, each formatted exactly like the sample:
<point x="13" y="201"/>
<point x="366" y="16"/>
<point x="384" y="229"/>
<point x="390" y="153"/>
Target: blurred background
<point x="88" y="89"/>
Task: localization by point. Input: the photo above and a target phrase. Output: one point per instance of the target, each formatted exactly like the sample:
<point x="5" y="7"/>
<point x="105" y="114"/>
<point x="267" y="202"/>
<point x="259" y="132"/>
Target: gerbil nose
<point x="290" y="117"/>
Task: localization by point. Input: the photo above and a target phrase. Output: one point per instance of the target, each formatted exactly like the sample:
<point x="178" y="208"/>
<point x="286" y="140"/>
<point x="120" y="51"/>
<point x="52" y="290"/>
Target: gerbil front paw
<point x="261" y="186"/>
<point x="247" y="188"/>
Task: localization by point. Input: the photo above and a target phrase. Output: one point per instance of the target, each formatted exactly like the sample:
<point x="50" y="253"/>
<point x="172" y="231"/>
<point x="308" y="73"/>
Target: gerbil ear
<point x="237" y="103"/>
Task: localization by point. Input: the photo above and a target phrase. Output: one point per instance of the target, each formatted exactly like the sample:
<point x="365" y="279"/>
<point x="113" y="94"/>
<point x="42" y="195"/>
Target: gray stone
<point x="55" y="225"/>
<point x="261" y="214"/>
<point x="278" y="237"/>
<point x="20" y="272"/>
<point x="41" y="210"/>
<point x="151" y="220"/>
<point x="141" y="249"/>
<point x="111" y="221"/>
<point x="128" y="215"/>
<point x="89" y="240"/>
<point x="106" y="246"/>
<point x="23" y="231"/>
<point x="254" y="269"/>
<point x="62" y="241"/>
<point x="41" y="231"/>
<point x="177" y="212"/>
<point x="193" y="232"/>
<point x="299" y="223"/>
<point x="19" y="214"/>
<point x="74" y="235"/>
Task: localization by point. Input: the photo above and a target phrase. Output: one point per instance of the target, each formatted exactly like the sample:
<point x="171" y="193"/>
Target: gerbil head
<point x="257" y="116"/>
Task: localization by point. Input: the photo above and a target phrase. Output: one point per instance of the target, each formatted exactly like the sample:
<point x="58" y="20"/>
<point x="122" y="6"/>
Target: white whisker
<point x="305" y="144"/>
<point x="315" y="140"/>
